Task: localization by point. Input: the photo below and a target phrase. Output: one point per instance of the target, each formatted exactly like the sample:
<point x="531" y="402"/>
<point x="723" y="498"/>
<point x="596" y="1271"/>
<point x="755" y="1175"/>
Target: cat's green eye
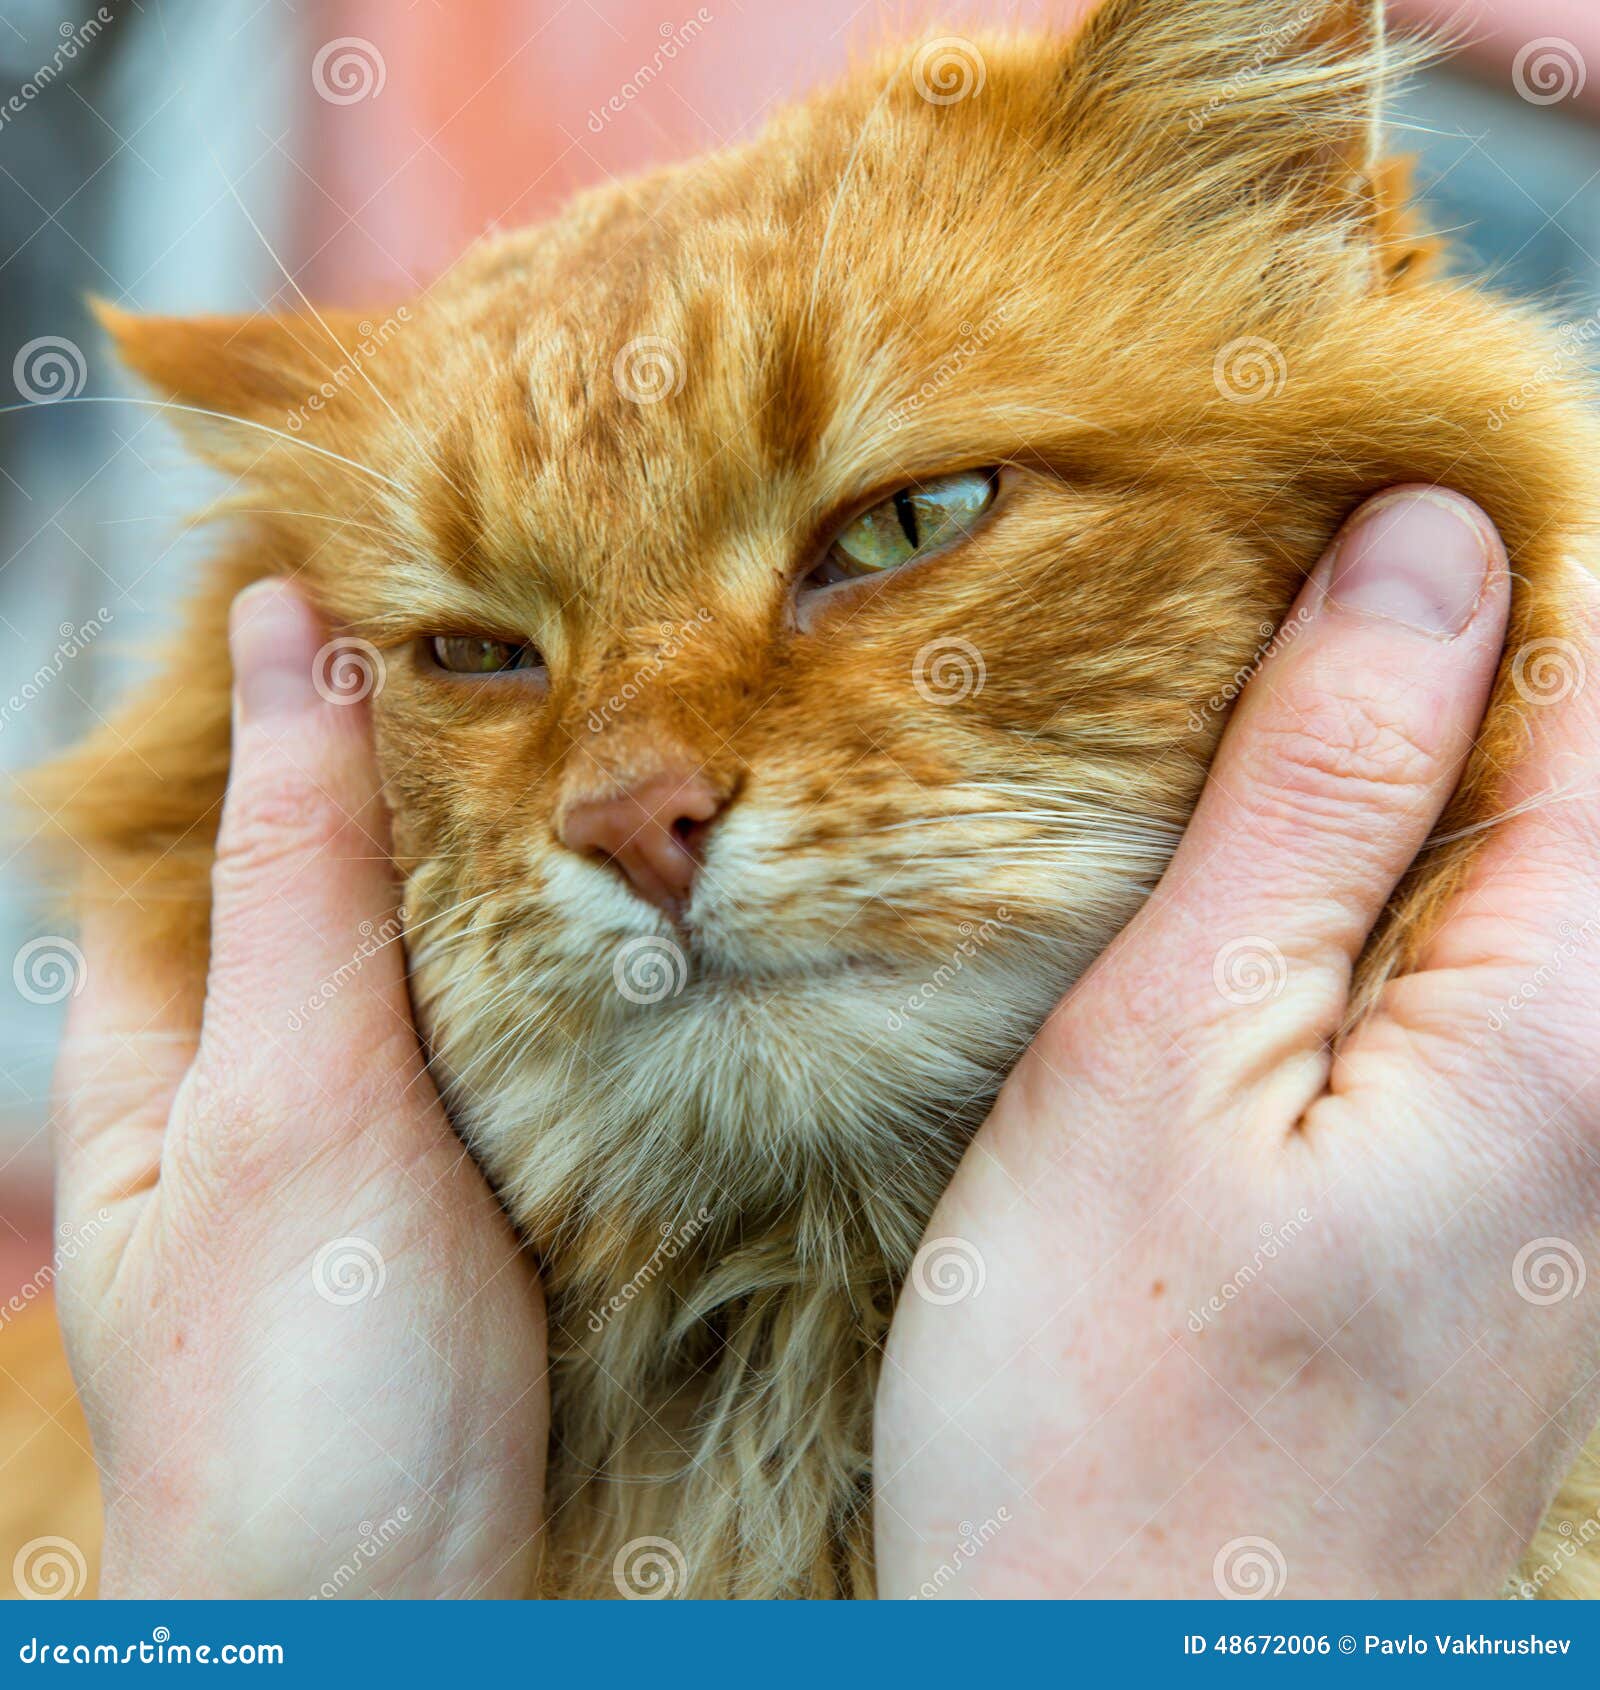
<point x="914" y="521"/>
<point x="471" y="654"/>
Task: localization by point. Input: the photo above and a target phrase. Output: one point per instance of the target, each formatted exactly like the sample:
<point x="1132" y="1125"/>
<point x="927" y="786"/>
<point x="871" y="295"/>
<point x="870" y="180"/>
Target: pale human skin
<point x="248" y="1432"/>
<point x="256" y="1438"/>
<point x="1378" y="1410"/>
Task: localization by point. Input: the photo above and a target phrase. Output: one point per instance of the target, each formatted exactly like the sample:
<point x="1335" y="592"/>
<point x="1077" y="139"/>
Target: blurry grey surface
<point x="116" y="178"/>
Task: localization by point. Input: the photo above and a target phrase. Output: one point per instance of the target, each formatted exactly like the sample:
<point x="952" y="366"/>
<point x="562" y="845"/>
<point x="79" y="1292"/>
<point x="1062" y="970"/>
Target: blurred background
<point x="184" y="155"/>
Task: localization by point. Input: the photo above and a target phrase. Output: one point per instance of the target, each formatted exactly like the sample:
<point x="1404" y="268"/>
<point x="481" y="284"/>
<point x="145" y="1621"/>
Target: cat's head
<point x="807" y="584"/>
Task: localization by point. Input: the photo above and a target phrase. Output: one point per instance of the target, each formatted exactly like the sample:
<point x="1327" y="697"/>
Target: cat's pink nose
<point x="652" y="833"/>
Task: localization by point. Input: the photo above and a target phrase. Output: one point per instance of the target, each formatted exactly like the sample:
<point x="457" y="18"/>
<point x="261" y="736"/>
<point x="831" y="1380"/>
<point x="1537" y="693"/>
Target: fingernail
<point x="274" y="639"/>
<point x="1419" y="557"/>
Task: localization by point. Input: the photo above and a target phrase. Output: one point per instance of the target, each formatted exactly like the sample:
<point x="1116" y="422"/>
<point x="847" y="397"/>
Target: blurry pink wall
<point x="493" y="113"/>
<point x="488" y="114"/>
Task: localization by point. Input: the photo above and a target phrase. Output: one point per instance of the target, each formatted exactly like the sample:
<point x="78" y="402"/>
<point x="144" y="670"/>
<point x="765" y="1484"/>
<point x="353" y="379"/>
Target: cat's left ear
<point x="1267" y="109"/>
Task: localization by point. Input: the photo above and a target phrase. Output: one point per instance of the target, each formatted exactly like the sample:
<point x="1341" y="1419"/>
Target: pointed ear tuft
<point x="261" y="368"/>
<point x="1264" y="106"/>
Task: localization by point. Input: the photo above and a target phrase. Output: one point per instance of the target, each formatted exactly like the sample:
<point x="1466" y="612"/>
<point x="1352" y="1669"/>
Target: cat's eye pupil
<point x="913" y="520"/>
<point x="906" y="511"/>
<point x="475" y="654"/>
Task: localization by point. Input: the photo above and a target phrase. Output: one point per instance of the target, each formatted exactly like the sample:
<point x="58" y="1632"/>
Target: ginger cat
<point x="805" y="586"/>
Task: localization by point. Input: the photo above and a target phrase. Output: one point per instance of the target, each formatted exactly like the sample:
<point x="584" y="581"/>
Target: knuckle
<point x="1337" y="753"/>
<point x="280" y="824"/>
<point x="222" y="1111"/>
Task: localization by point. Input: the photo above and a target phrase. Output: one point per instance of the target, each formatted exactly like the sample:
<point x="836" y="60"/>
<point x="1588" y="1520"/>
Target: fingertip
<point x="1420" y="557"/>
<point x="274" y="637"/>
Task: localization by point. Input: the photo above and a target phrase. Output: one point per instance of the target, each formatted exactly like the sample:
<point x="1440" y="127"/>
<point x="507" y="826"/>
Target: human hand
<point x="311" y="1352"/>
<point x="1255" y="1313"/>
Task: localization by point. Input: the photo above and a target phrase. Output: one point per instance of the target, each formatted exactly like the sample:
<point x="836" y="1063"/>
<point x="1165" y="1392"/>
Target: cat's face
<point x="668" y="470"/>
<point x="943" y="783"/>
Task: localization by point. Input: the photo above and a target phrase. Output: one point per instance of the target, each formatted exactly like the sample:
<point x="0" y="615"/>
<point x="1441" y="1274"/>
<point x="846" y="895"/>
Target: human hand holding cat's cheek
<point x="1245" y="1301"/>
<point x="306" y="1313"/>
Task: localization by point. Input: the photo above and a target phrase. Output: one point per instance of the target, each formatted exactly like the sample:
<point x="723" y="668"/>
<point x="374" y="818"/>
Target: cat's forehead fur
<point x="735" y="345"/>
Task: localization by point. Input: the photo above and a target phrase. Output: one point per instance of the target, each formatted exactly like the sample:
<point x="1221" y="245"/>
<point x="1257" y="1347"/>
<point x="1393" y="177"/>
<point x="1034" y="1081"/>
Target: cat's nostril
<point x="653" y="833"/>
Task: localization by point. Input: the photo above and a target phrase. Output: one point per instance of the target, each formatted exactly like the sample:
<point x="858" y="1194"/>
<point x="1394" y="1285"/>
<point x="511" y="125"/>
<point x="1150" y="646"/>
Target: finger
<point x="1341" y="755"/>
<point x="1515" y="963"/>
<point x="303" y="896"/>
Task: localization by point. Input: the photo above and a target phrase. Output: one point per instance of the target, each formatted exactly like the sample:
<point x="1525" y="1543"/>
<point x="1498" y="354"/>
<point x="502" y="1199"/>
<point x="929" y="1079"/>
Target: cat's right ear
<point x="272" y="372"/>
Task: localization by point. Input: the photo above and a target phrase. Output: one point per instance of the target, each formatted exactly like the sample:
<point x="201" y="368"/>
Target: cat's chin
<point x="726" y="1084"/>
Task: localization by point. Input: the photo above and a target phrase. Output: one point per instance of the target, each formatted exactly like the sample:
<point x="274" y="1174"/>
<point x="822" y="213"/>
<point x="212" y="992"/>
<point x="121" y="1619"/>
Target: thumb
<point x="303" y="900"/>
<point x="1339" y="759"/>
